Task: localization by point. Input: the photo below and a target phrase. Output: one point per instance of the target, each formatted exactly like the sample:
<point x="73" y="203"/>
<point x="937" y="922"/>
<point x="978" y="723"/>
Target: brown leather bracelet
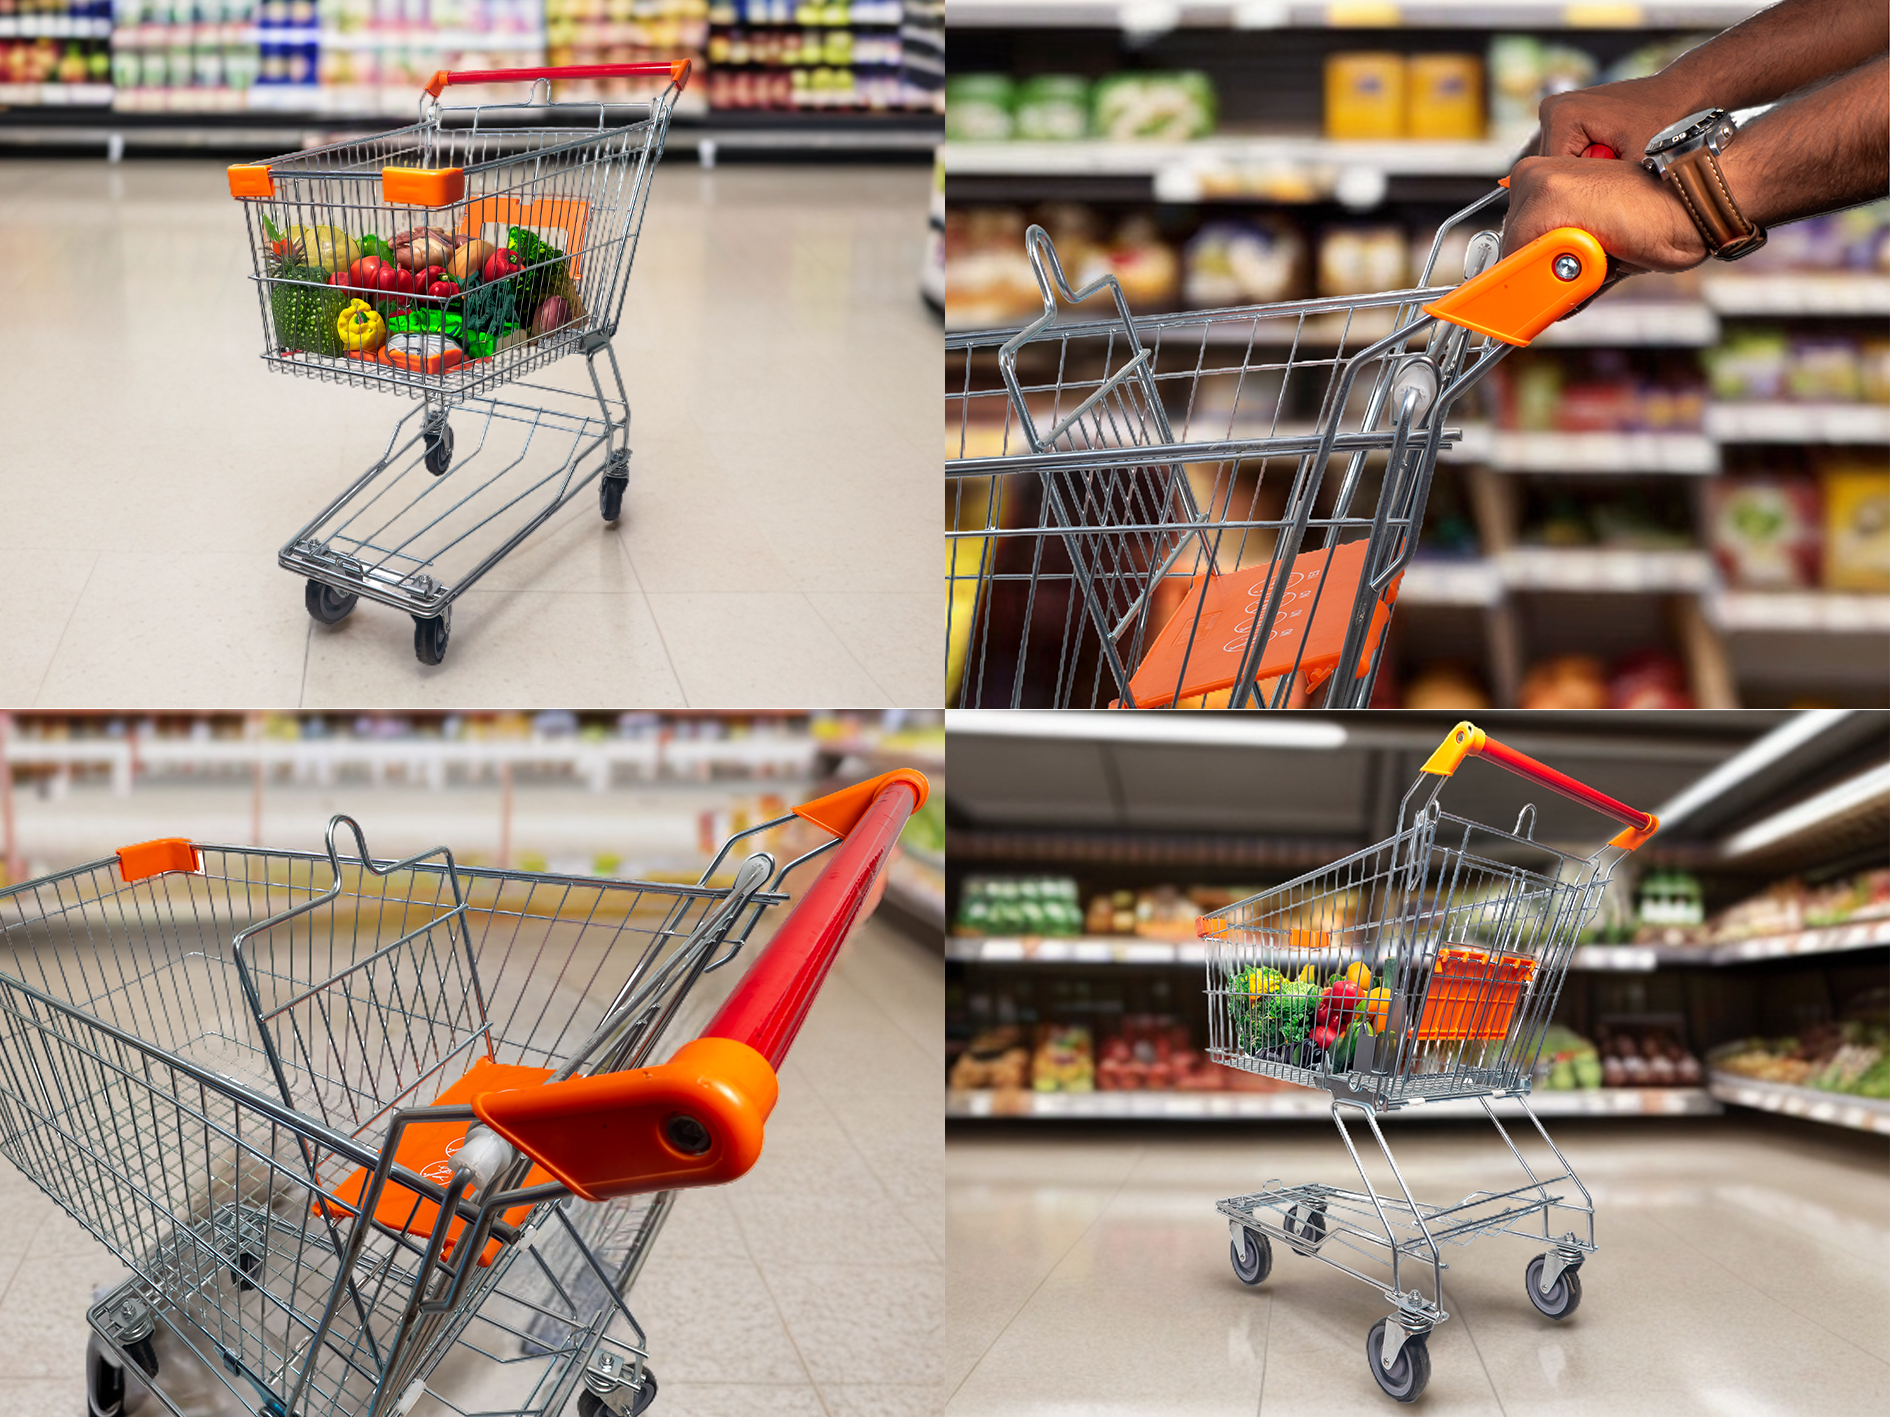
<point x="1703" y="192"/>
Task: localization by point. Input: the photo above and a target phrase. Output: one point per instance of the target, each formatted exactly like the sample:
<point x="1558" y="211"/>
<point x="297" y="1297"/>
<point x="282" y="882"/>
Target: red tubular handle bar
<point x="767" y="1007"/>
<point x="677" y="69"/>
<point x="1466" y="740"/>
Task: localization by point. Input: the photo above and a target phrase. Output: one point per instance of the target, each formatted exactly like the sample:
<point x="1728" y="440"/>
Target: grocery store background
<point x="1719" y="1073"/>
<point x="811" y="1286"/>
<point x="776" y="339"/>
<point x="1678" y="497"/>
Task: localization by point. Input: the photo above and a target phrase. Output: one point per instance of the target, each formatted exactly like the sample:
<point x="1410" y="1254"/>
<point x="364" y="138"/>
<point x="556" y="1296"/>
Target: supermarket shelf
<point x="1105" y="949"/>
<point x="1602" y="571"/>
<point x="916" y="885"/>
<point x="1305" y="1103"/>
<point x="54" y="27"/>
<point x="1204" y="158"/>
<point x="1686" y="454"/>
<point x="1824" y="939"/>
<point x="1829" y="612"/>
<point x="1865" y="1114"/>
<point x="1150" y="16"/>
<point x="1798" y="422"/>
<point x="1472" y="583"/>
<point x="1655" y="324"/>
<point x="1850" y="294"/>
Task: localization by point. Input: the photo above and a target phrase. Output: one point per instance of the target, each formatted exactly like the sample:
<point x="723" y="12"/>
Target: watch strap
<point x="1703" y="192"/>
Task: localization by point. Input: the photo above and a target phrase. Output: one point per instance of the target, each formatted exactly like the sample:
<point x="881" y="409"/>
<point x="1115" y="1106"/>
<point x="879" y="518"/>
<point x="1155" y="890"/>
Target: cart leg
<point x="616" y="476"/>
<point x="1411" y="1305"/>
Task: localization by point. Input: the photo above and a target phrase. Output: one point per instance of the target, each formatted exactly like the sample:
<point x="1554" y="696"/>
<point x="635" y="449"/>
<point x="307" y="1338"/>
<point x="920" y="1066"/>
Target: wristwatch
<point x="1686" y="154"/>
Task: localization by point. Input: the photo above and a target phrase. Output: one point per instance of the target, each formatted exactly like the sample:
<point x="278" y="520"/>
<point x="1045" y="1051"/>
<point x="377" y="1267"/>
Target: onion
<point x="553" y="313"/>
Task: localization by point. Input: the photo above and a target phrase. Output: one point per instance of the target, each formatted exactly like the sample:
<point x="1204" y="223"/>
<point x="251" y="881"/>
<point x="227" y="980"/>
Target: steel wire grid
<point x="192" y="1063"/>
<point x="538" y="176"/>
<point x="1070" y="552"/>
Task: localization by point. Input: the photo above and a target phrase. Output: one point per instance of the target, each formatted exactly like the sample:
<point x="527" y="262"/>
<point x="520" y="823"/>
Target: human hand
<point x="1623" y="116"/>
<point x="1629" y="210"/>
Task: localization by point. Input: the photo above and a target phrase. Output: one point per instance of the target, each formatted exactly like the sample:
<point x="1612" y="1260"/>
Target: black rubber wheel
<point x="430" y="634"/>
<point x="610" y="497"/>
<point x="326" y="604"/>
<point x="1564" y="1295"/>
<point x="144" y="1354"/>
<point x="104" y="1381"/>
<point x="1309" y="1233"/>
<point x="590" y="1405"/>
<point x="440" y="450"/>
<point x="1410" y="1370"/>
<point x="243" y="1272"/>
<point x="1252" y="1254"/>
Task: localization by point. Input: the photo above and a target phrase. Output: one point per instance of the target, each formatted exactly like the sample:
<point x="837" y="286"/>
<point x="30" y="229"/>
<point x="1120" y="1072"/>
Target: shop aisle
<point x="1741" y="1270"/>
<point x="808" y="1289"/>
<point x="773" y="549"/>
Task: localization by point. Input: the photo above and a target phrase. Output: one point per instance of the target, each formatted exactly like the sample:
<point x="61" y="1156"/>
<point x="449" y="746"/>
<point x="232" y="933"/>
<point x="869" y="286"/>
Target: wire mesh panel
<point x="1299" y="443"/>
<point x="565" y="201"/>
<point x="199" y="1065"/>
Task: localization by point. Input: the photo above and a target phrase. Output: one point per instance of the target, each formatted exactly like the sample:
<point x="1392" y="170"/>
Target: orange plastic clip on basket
<point x="1213" y="508"/>
<point x="440" y="262"/>
<point x="1436" y="977"/>
<point x="393" y="1099"/>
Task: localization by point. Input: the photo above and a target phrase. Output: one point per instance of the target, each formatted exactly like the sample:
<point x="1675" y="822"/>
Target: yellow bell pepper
<point x="1359" y="975"/>
<point x="1378" y="1007"/>
<point x="361" y="327"/>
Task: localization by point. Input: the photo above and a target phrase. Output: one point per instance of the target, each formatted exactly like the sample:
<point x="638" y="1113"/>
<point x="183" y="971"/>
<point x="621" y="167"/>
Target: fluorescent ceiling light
<point x="1208" y="730"/>
<point x="1756" y="757"/>
<point x="1846" y="796"/>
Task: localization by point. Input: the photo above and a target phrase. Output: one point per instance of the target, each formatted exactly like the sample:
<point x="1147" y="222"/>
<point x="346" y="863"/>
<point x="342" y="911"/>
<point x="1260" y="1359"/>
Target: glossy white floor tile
<point x="809" y="1288"/>
<point x="1742" y="1269"/>
<point x="779" y="364"/>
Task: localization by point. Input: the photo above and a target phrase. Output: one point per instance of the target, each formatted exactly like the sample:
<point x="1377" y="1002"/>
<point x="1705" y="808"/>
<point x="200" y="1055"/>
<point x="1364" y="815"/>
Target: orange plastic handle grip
<point x="677" y="69"/>
<point x="1467" y="740"/>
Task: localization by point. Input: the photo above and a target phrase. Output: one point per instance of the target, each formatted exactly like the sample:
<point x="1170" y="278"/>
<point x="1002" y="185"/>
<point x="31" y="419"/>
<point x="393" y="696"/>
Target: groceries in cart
<point x="1422" y="970"/>
<point x="369" y="1132"/>
<point x="1213" y="508"/>
<point x="440" y="261"/>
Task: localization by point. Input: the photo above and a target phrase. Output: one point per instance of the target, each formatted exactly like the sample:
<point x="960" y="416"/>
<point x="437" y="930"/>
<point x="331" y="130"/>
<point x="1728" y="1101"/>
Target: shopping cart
<point x="1112" y="537"/>
<point x="1421" y="969"/>
<point x="440" y="261"/>
<point x="372" y="1132"/>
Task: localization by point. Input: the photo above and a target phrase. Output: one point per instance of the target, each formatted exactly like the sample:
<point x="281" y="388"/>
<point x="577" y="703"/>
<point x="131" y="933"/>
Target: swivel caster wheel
<point x="591" y="1405"/>
<point x="243" y="1272"/>
<point x="326" y="604"/>
<point x="439" y="455"/>
<point x="105" y="1382"/>
<point x="1252" y="1254"/>
<point x="1306" y="1225"/>
<point x="1563" y="1296"/>
<point x="1409" y="1371"/>
<point x="610" y="490"/>
<point x="430" y="635"/>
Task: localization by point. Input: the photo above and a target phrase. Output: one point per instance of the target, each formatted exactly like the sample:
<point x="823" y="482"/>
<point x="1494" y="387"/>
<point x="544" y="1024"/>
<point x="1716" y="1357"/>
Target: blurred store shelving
<point x="1680" y="496"/>
<point x="1739" y="958"/>
<point x="239" y="73"/>
<point x="577" y="793"/>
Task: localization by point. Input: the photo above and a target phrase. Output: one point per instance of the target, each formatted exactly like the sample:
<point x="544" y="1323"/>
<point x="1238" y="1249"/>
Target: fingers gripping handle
<point x="676" y="69"/>
<point x="697" y="1120"/>
<point x="1467" y="740"/>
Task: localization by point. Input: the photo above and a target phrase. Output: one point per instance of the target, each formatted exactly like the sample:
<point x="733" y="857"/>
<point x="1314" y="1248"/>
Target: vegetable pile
<point x="1306" y="1020"/>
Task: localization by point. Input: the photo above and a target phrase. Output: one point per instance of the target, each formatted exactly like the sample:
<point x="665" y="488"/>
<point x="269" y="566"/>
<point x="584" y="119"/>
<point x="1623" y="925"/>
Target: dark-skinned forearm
<point x="1822" y="149"/>
<point x="1777" y="51"/>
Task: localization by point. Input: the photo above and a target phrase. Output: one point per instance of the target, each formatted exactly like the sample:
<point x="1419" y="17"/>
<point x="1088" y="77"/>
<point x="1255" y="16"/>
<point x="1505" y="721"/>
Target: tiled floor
<point x="812" y="1286"/>
<point x="776" y="547"/>
<point x="1741" y="1269"/>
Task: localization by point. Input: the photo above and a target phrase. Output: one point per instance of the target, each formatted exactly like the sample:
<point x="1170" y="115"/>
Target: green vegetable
<point x="372" y="245"/>
<point x="490" y="307"/>
<point x="305" y="308"/>
<point x="1347" y="1046"/>
<point x="269" y="227"/>
<point x="1289" y="1012"/>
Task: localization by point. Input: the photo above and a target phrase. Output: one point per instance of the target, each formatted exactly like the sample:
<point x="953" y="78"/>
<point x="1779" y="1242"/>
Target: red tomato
<point x="501" y="264"/>
<point x="442" y="288"/>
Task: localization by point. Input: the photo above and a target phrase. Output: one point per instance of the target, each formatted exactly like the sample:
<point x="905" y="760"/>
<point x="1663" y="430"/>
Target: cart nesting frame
<point x="1111" y="535"/>
<point x="426" y="521"/>
<point x="1463" y="954"/>
<point x="219" y="1060"/>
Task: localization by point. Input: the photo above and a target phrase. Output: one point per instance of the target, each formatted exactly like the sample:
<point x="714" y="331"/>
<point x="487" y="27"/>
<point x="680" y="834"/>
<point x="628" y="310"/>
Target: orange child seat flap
<point x="613" y="1135"/>
<point x="1521" y="295"/>
<point x="423" y="186"/>
<point x="154" y="858"/>
<point x="1473" y="996"/>
<point x="1228" y="604"/>
<point x="424" y="1149"/>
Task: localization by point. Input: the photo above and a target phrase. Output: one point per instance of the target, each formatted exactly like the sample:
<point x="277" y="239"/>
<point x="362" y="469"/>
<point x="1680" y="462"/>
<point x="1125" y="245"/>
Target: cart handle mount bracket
<point x="1466" y="740"/>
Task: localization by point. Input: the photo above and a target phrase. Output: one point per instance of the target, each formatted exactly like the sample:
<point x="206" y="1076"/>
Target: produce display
<point x="1651" y="678"/>
<point x="1141" y="106"/>
<point x="1002" y="905"/>
<point x="995" y="1060"/>
<point x="1062" y="1061"/>
<point x="1567" y="1061"/>
<point x="1784" y="908"/>
<point x="1851" y="1057"/>
<point x="428" y="299"/>
<point x="1645" y="1055"/>
<point x="811" y="54"/>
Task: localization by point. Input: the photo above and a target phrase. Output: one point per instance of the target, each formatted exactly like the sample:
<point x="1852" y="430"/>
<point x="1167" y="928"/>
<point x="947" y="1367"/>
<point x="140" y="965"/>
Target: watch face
<point x="1694" y="125"/>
